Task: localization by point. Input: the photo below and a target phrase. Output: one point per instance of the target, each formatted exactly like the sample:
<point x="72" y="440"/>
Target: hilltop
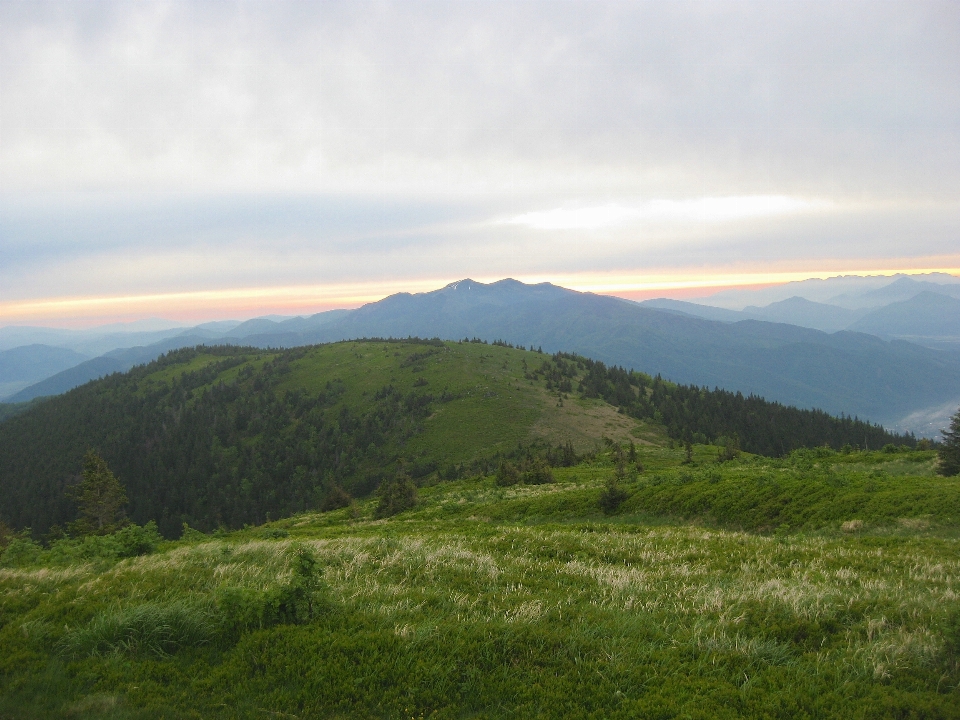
<point x="230" y="435"/>
<point x="227" y="436"/>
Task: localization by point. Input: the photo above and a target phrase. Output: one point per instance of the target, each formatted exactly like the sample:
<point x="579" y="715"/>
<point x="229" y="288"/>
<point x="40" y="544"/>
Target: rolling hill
<point x="232" y="436"/>
<point x="925" y="315"/>
<point x="24" y="365"/>
<point x="229" y="436"/>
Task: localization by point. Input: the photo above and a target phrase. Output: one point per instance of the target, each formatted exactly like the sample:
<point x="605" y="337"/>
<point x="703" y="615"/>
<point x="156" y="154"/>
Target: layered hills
<point x="768" y="353"/>
<point x="923" y="311"/>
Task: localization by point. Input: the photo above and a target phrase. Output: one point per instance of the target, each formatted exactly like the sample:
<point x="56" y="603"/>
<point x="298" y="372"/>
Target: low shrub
<point x="538" y="472"/>
<point x="335" y="499"/>
<point x="134" y="540"/>
<point x="507" y="474"/>
<point x="274" y="533"/>
<point x="129" y="541"/>
<point x="302" y="598"/>
<point x="20" y="551"/>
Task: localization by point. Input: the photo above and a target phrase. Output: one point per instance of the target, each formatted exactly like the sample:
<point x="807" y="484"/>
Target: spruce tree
<point x="100" y="497"/>
<point x="949" y="452"/>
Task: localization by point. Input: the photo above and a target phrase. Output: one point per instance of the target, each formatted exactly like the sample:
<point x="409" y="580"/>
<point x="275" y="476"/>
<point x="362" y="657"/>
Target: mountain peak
<point x="465" y="284"/>
<point x="508" y="284"/>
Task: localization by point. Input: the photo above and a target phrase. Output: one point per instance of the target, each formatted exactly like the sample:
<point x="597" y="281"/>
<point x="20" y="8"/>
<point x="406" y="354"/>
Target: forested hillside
<point x="701" y="415"/>
<point x="227" y="436"/>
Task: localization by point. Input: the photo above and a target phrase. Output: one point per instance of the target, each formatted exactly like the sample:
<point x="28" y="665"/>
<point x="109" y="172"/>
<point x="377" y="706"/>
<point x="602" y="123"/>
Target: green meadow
<point x="818" y="585"/>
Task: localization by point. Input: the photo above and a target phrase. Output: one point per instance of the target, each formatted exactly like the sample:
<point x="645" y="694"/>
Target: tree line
<point x="698" y="414"/>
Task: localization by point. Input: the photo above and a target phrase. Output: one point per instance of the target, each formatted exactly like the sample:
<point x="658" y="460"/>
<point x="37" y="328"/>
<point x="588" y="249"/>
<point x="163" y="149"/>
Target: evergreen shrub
<point x="507" y="474"/>
<point x="612" y="497"/>
<point x="537" y="473"/>
<point x="396" y="496"/>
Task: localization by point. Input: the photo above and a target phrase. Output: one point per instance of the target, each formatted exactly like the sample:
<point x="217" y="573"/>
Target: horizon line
<point x="249" y="302"/>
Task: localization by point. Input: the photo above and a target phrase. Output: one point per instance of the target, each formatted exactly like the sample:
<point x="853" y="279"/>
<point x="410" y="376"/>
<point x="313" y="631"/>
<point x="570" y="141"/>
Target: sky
<point x="201" y="160"/>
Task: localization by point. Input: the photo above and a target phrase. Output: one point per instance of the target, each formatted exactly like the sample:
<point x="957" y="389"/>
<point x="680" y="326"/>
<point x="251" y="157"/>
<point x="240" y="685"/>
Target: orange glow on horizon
<point x="241" y="303"/>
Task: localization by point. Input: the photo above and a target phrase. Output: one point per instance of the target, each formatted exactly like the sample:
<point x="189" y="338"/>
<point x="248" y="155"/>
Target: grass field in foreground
<point x="715" y="591"/>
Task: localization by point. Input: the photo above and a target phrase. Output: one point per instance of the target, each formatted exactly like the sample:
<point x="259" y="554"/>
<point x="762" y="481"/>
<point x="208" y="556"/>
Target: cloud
<point x="660" y="99"/>
<point x="697" y="210"/>
<point x="178" y="146"/>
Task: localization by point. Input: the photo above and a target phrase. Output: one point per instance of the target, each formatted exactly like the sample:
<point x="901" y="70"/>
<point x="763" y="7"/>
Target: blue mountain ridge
<point x="844" y="372"/>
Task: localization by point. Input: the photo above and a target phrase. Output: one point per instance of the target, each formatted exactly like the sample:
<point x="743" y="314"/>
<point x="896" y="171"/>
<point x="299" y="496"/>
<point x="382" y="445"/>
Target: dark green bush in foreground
<point x="396" y="496"/>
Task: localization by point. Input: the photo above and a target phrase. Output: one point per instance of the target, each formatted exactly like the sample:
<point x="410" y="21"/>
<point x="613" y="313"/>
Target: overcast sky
<point x="218" y="159"/>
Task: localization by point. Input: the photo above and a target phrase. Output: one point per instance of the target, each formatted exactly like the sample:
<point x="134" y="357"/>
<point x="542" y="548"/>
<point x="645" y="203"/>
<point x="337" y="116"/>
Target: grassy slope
<point x="529" y="602"/>
<point x="494" y="407"/>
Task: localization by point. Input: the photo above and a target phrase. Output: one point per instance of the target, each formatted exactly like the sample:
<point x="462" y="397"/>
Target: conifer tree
<point x="100" y="497"/>
<point x="949" y="452"/>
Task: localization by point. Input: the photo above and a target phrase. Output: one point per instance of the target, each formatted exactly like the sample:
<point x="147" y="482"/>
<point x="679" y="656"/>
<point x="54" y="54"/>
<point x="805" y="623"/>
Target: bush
<point x="612" y="497"/>
<point x="729" y="448"/>
<point x="20" y="551"/>
<point x="274" y="533"/>
<point x="538" y="473"/>
<point x="507" y="474"/>
<point x="335" y="499"/>
<point x="298" y="601"/>
<point x="396" y="496"/>
<point x="134" y="540"/>
<point x="129" y="541"/>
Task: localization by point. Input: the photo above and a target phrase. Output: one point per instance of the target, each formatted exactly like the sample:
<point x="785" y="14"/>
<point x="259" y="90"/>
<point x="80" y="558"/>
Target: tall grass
<point x="148" y="629"/>
<point x="525" y="601"/>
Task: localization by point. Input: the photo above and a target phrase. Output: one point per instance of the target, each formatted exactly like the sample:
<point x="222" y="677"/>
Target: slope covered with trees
<point x="229" y="436"/>
<point x="696" y="414"/>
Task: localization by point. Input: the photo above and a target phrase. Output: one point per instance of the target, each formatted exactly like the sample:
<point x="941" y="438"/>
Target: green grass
<point x="493" y="407"/>
<point x="694" y="600"/>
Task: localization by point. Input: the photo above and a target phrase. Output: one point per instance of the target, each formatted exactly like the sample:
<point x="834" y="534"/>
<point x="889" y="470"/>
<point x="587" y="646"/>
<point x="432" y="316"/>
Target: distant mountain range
<point x="920" y="311"/>
<point x="23" y="366"/>
<point x="849" y="291"/>
<point x="760" y="349"/>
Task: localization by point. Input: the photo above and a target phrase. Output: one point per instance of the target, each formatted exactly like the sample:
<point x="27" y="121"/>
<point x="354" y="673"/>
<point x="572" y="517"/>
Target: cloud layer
<point x="202" y="145"/>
